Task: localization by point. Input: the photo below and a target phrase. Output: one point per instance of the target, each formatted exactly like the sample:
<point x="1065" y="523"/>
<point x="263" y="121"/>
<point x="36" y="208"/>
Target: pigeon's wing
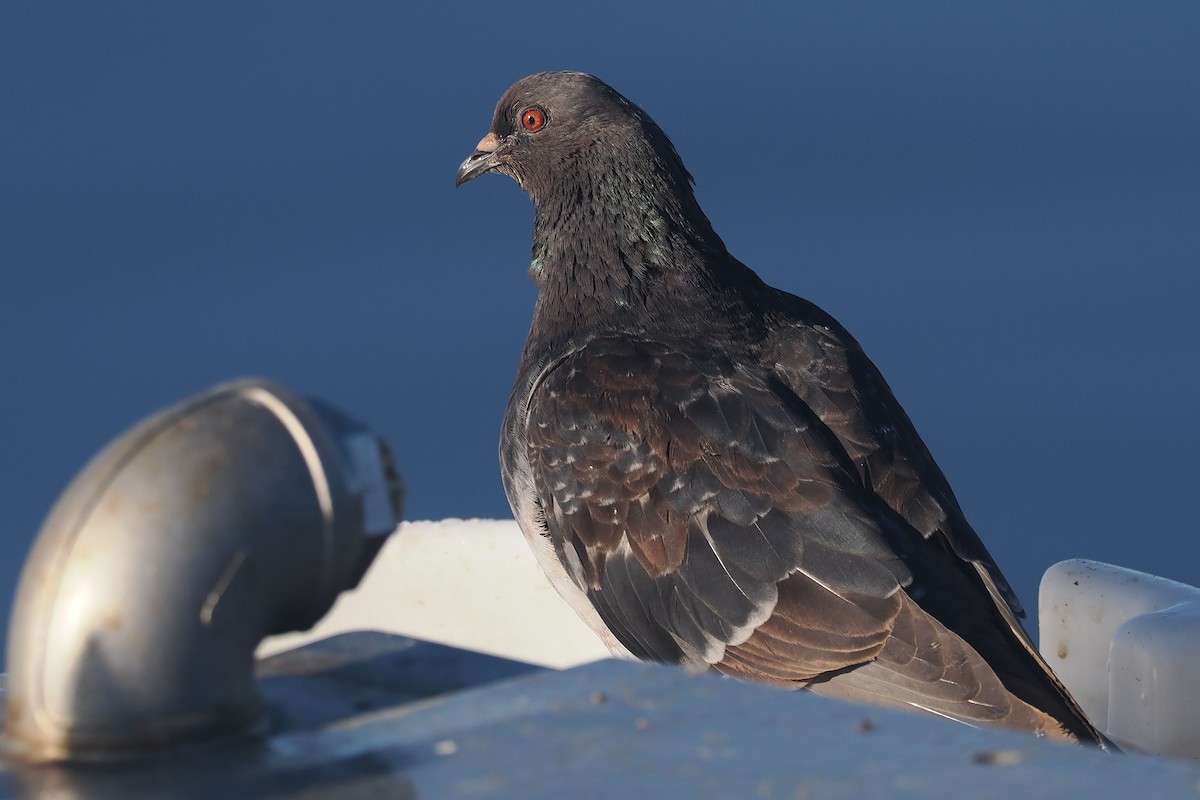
<point x="828" y="371"/>
<point x="711" y="518"/>
<point x="823" y="364"/>
<point x="680" y="495"/>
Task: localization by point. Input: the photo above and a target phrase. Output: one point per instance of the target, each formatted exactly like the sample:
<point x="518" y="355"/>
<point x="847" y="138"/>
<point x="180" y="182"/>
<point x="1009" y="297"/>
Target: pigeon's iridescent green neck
<point x="618" y="232"/>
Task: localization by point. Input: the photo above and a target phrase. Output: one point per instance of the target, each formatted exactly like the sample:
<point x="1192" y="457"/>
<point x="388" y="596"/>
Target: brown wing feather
<point x="713" y="517"/>
<point x="690" y="490"/>
<point x="924" y="666"/>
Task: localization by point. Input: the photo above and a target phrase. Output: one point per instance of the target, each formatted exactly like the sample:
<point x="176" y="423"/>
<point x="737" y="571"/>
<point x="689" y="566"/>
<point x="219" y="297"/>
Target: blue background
<point x="1001" y="201"/>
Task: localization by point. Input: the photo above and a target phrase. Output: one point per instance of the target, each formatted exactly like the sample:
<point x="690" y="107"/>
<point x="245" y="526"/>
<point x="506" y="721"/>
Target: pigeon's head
<point x="550" y="126"/>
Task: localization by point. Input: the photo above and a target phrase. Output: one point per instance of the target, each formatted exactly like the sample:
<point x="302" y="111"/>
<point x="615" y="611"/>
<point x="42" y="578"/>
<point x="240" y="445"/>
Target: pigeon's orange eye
<point x="533" y="119"/>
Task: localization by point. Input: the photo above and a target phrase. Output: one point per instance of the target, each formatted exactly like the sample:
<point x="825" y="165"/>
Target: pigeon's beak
<point x="485" y="157"/>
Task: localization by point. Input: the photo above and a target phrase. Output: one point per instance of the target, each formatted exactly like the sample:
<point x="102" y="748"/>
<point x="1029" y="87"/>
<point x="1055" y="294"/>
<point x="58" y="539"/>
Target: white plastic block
<point x="1127" y="646"/>
<point x="472" y="584"/>
<point x="1154" y="681"/>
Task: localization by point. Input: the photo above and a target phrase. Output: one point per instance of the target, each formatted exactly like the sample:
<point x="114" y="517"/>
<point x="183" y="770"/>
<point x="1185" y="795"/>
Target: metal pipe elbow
<point x="237" y="514"/>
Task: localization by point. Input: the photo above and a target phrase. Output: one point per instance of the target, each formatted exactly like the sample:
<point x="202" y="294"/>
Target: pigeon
<point x="710" y="470"/>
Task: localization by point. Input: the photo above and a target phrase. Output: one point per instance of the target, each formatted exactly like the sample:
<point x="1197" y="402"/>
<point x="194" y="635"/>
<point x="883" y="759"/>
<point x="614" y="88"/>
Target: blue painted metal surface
<point x="366" y="715"/>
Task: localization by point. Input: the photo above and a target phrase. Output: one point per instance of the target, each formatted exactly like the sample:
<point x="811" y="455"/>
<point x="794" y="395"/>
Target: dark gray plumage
<point x="710" y="469"/>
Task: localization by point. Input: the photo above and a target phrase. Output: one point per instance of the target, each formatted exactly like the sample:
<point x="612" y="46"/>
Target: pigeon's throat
<point x="620" y="248"/>
<point x="621" y="234"/>
<point x="594" y="263"/>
